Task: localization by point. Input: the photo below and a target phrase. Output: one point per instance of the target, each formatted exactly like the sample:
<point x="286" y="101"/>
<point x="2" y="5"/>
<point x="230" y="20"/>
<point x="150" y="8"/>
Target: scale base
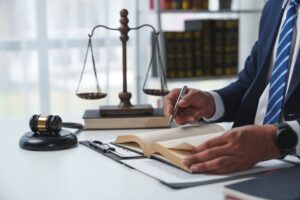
<point x="36" y="142"/>
<point x="144" y="109"/>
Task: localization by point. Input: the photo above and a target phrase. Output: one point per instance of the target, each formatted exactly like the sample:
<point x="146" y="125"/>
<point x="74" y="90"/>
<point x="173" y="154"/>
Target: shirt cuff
<point x="219" y="105"/>
<point x="296" y="127"/>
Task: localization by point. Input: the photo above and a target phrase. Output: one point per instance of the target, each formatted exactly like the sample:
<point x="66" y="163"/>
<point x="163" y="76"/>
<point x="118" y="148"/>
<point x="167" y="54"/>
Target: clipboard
<point x="138" y="161"/>
<point x="114" y="152"/>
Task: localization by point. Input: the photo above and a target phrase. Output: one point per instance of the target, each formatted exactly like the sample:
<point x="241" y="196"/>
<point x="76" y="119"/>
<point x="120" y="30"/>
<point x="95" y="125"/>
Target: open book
<point x="171" y="145"/>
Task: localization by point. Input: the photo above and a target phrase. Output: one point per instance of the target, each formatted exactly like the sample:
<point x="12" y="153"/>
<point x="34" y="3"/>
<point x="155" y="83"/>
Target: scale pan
<point x="155" y="92"/>
<point x="96" y="95"/>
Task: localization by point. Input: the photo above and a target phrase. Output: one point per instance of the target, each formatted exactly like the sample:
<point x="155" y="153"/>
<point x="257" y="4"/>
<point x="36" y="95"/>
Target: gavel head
<point x="45" y="124"/>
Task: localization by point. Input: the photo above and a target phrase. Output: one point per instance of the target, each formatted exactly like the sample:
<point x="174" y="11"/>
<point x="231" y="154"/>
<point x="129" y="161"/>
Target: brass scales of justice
<point x="125" y="107"/>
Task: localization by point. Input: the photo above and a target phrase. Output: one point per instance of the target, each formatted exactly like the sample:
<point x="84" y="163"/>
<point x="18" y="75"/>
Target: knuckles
<point x="219" y="163"/>
<point x="235" y="141"/>
<point x="209" y="154"/>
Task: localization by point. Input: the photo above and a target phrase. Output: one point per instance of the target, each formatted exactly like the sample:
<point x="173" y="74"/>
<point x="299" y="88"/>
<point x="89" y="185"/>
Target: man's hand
<point x="192" y="107"/>
<point x="235" y="150"/>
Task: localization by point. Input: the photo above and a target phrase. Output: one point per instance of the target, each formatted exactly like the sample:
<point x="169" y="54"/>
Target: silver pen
<point x="180" y="96"/>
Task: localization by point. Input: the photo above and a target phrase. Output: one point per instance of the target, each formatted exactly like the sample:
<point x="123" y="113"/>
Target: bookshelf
<point x="202" y="11"/>
<point x="246" y="12"/>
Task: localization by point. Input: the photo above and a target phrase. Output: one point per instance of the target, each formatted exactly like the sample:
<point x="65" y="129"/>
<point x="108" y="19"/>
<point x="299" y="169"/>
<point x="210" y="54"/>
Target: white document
<point x="174" y="176"/>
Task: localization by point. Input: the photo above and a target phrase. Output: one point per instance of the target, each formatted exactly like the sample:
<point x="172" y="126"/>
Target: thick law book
<point x="170" y="145"/>
<point x="94" y="121"/>
<point x="280" y="184"/>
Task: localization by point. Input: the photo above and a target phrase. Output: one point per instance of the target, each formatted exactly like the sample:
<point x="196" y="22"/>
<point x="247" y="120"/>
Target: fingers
<point x="221" y="165"/>
<point x="170" y="101"/>
<point x="193" y="106"/>
<point x="187" y="115"/>
<point x="214" y="142"/>
<point x="207" y="155"/>
<point x="171" y="98"/>
<point x="168" y="110"/>
<point x="188" y="98"/>
<point x="193" y="96"/>
<point x="218" y="165"/>
<point x="227" y="153"/>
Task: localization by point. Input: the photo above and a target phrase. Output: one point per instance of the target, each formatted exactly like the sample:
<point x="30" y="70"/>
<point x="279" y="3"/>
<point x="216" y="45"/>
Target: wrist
<point x="272" y="150"/>
<point x="211" y="106"/>
<point x="286" y="139"/>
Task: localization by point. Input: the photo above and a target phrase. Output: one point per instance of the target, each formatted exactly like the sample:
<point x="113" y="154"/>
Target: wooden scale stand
<point x="125" y="107"/>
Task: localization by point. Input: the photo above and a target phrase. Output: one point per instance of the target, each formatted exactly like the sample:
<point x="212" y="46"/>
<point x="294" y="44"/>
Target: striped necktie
<point x="281" y="66"/>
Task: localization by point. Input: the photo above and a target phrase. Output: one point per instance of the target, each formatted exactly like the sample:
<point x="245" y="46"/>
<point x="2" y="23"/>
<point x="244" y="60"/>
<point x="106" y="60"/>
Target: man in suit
<point x="264" y="103"/>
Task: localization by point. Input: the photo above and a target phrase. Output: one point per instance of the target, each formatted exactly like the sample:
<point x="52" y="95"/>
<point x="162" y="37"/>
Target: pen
<point x="181" y="94"/>
<point x="102" y="146"/>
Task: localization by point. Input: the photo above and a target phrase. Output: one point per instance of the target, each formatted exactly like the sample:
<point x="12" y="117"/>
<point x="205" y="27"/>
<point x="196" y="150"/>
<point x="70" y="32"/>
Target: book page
<point x="188" y="143"/>
<point x="179" y="132"/>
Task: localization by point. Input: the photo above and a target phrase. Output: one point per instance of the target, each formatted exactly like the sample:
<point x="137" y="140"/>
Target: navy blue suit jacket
<point x="241" y="97"/>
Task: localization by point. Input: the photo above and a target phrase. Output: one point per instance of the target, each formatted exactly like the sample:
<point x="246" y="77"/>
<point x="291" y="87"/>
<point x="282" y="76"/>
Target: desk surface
<point x="79" y="173"/>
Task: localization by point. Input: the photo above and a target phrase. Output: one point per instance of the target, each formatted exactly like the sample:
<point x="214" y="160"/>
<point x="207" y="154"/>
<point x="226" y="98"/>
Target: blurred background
<point x="43" y="45"/>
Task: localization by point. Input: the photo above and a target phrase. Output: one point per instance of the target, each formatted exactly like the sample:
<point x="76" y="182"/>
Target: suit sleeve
<point x="232" y="94"/>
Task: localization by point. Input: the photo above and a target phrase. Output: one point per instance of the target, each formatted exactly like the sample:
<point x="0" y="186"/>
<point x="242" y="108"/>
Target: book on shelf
<point x="207" y="32"/>
<point x="188" y="55"/>
<point x="170" y="56"/>
<point x="182" y="4"/>
<point x="186" y="4"/>
<point x="279" y="184"/>
<point x="177" y="4"/>
<point x="232" y="43"/>
<point x="218" y="47"/>
<point x="151" y="4"/>
<point x="170" y="145"/>
<point x="93" y="121"/>
<point x="168" y="4"/>
<point x="205" y="48"/>
<point x="198" y="56"/>
<point x="179" y="52"/>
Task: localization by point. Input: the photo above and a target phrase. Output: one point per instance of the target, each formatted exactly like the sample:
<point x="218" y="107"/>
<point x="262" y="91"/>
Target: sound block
<point x="48" y="142"/>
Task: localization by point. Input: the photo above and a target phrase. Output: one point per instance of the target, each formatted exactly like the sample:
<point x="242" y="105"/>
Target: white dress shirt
<point x="263" y="101"/>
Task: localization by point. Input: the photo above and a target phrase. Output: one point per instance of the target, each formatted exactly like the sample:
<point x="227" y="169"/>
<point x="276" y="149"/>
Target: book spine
<point x="170" y="54"/>
<point x="218" y="47"/>
<point x="231" y="47"/>
<point x="207" y="47"/>
<point x="196" y="4"/>
<point x="198" y="57"/>
<point x="168" y="4"/>
<point x="204" y="4"/>
<point x="179" y="55"/>
<point x="235" y="47"/>
<point x="228" y="50"/>
<point x="162" y="4"/>
<point x="186" y="4"/>
<point x="177" y="4"/>
<point x="188" y="54"/>
<point x="151" y="4"/>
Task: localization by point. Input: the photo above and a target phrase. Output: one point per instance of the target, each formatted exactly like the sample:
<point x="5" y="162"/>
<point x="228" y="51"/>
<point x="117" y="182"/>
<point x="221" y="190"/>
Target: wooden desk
<point x="79" y="173"/>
